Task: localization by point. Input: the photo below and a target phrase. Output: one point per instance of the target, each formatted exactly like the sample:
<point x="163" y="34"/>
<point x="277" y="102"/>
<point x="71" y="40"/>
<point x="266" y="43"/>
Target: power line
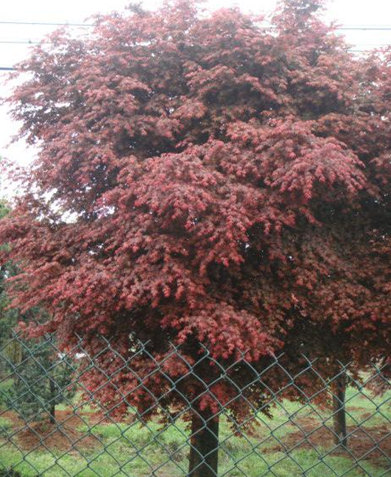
<point x="35" y="42"/>
<point x="20" y="42"/>
<point x="46" y="24"/>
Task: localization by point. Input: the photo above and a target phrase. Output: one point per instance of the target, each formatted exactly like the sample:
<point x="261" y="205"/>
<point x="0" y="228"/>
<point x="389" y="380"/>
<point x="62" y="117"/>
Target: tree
<point x="204" y="181"/>
<point x="43" y="379"/>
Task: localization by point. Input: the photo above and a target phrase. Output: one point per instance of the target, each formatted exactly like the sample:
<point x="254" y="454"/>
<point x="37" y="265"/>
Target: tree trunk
<point x="339" y="413"/>
<point x="52" y="404"/>
<point x="203" y="461"/>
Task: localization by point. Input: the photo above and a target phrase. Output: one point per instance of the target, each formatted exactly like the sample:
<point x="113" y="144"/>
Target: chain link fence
<point x="135" y="412"/>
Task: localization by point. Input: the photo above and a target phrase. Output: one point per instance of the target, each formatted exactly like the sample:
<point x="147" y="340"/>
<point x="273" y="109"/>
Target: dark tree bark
<point x="203" y="461"/>
<point x="52" y="410"/>
<point x="339" y="412"/>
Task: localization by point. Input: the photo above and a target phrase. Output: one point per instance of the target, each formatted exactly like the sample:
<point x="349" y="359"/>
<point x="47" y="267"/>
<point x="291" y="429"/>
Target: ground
<point x="297" y="441"/>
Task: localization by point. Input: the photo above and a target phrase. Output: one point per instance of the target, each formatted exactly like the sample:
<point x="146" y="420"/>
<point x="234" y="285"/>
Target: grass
<point x="5" y="390"/>
<point x="122" y="462"/>
<point x="132" y="450"/>
<point x="368" y="409"/>
<point x="5" y="426"/>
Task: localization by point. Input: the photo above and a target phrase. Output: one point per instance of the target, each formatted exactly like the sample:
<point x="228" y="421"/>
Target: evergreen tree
<point x="43" y="379"/>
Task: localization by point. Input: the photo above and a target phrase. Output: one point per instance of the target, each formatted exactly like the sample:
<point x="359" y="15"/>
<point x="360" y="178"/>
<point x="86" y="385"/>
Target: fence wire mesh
<point x="73" y="412"/>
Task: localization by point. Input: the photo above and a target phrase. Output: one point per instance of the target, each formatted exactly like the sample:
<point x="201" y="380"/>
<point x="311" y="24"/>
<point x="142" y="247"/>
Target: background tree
<point x="41" y="377"/>
<point x="204" y="181"/>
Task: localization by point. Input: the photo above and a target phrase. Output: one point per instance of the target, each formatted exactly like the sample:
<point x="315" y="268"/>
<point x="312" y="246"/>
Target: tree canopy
<point x="204" y="180"/>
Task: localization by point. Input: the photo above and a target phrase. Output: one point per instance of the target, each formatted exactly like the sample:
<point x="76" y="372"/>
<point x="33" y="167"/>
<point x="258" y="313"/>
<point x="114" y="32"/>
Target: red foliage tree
<point x="202" y="180"/>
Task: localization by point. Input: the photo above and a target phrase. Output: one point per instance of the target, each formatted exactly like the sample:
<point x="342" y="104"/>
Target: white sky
<point x="345" y="12"/>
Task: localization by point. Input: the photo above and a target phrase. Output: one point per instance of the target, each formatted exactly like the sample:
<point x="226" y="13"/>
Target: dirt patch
<point x="64" y="435"/>
<point x="371" y="443"/>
